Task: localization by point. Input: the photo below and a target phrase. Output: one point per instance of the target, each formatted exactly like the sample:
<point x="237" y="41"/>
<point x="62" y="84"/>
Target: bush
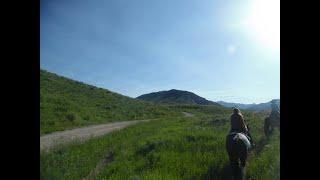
<point x="70" y="117"/>
<point x="86" y="118"/>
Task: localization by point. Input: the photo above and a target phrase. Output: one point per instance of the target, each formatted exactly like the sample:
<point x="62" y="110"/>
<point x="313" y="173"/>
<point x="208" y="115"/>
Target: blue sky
<point x="142" y="46"/>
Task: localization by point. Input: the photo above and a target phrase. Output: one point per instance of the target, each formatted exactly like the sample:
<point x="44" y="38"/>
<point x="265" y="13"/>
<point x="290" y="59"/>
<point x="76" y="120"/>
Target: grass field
<point x="65" y="104"/>
<point x="168" y="148"/>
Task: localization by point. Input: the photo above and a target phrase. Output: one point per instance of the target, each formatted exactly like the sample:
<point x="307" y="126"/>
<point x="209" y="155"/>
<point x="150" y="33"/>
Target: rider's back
<point x="237" y="123"/>
<point x="275" y="114"/>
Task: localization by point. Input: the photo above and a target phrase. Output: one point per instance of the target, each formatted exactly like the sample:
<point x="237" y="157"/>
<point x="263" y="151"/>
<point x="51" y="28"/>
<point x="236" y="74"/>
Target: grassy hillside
<point x="169" y="148"/>
<point x="65" y="103"/>
<point x="175" y="97"/>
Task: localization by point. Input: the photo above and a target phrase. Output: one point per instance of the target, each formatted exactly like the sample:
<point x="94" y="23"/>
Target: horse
<point x="238" y="146"/>
<point x="270" y="122"/>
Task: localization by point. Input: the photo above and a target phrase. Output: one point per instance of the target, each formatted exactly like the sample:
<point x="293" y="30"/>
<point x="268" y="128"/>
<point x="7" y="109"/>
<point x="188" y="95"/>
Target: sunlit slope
<point x="65" y="103"/>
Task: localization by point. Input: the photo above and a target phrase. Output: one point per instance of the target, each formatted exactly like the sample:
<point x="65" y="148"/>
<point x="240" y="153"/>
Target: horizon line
<point x="105" y="88"/>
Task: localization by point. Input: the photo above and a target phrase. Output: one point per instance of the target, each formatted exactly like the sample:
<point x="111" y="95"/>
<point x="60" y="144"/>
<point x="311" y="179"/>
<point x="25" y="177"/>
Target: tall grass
<point x="169" y="148"/>
<point x="266" y="163"/>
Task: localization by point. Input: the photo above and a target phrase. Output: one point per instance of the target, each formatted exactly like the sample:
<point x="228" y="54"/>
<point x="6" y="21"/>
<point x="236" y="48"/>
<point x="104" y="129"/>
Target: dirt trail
<point x="186" y="114"/>
<point x="102" y="164"/>
<point x="50" y="140"/>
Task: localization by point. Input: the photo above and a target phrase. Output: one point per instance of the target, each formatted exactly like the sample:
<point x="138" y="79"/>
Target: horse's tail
<point x="237" y="150"/>
<point x="233" y="144"/>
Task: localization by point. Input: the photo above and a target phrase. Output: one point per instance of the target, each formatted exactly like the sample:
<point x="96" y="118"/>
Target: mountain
<point x="264" y="106"/>
<point x="239" y="105"/>
<point x="174" y="96"/>
<point x="254" y="107"/>
<point x="65" y="103"/>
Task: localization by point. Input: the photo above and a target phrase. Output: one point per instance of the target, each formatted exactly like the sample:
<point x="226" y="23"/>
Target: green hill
<point x="176" y="97"/>
<point x="65" y="103"/>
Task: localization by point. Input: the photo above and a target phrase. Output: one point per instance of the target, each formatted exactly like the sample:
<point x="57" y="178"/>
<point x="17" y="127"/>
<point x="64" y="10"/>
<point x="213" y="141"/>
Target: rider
<point x="238" y="124"/>
<point x="275" y="111"/>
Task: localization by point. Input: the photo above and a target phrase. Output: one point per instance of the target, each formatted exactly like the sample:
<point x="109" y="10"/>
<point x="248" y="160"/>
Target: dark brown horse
<point x="238" y="146"/>
<point x="271" y="122"/>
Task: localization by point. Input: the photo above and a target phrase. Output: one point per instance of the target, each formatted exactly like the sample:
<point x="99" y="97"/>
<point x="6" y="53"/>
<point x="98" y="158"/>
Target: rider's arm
<point x="243" y="124"/>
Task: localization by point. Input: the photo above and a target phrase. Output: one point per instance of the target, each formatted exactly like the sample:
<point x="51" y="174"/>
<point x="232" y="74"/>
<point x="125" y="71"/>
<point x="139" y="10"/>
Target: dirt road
<point x="50" y="140"/>
<point x="186" y="114"/>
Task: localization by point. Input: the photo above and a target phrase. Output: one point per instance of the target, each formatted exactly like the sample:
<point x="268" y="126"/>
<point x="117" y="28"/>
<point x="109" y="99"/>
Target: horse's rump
<point x="237" y="148"/>
<point x="238" y="136"/>
<point x="237" y="143"/>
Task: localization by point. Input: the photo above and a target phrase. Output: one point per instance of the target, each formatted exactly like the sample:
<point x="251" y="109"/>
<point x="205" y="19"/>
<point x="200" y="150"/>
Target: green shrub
<point x="71" y="117"/>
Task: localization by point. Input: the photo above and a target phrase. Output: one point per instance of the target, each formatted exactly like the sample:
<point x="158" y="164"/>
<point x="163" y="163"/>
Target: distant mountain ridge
<point x="239" y="105"/>
<point x="254" y="107"/>
<point x="175" y="96"/>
